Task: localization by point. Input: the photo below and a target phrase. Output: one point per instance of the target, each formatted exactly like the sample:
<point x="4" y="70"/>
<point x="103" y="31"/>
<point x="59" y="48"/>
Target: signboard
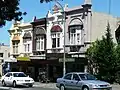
<point x="67" y="59"/>
<point x="10" y="60"/>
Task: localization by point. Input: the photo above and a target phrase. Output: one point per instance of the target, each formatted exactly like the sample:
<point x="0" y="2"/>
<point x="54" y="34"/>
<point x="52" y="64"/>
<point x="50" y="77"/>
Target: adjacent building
<point x="4" y="58"/>
<point x="20" y="45"/>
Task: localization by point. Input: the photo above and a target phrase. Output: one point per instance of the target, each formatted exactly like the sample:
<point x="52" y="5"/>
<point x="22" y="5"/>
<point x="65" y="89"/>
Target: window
<point x="75" y="77"/>
<point x="8" y="74"/>
<point x="1" y="54"/>
<point x="68" y="76"/>
<point x="40" y="43"/>
<point x="87" y="77"/>
<point x="19" y="75"/>
<point x="55" y="39"/>
<point x="27" y="47"/>
<point x="15" y="47"/>
<point x="26" y="42"/>
<point x="75" y="34"/>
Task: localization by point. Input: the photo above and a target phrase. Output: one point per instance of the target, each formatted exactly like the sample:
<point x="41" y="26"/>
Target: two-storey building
<point x="39" y="46"/>
<point x="21" y="45"/>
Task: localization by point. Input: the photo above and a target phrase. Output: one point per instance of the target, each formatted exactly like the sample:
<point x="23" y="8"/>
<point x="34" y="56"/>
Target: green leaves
<point x="9" y="10"/>
<point x="103" y="57"/>
<point x="41" y="1"/>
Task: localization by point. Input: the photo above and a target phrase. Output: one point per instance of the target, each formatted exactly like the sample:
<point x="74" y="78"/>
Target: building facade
<point x="38" y="58"/>
<point x="39" y="46"/>
<point x="21" y="45"/>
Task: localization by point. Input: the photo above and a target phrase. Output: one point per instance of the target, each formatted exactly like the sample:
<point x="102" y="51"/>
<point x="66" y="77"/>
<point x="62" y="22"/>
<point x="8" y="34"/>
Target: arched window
<point x="55" y="35"/>
<point x="40" y="38"/>
<point x="27" y="41"/>
<point x="75" y="31"/>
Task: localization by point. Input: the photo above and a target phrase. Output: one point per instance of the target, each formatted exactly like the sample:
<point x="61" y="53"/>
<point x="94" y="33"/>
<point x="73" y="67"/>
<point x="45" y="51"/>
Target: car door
<point x="6" y="78"/>
<point x="67" y="81"/>
<point x="76" y="82"/>
<point x="10" y="80"/>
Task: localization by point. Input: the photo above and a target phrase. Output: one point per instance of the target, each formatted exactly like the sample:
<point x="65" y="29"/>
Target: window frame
<point x="15" y="47"/>
<point x="77" y="76"/>
<point x="40" y="40"/>
<point x="67" y="78"/>
<point x="27" y="45"/>
<point x="8" y="75"/>
<point x="55" y="36"/>
<point x="74" y="31"/>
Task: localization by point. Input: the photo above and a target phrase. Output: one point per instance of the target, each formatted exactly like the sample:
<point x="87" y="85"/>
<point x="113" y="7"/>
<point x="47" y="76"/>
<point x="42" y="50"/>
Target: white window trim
<point x="15" y="48"/>
<point x="27" y="47"/>
<point x="74" y="40"/>
<point x="56" y="35"/>
<point x="40" y="43"/>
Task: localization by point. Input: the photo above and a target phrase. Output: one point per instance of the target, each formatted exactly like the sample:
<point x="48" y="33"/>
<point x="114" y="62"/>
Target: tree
<point x="41" y="1"/>
<point x="102" y="55"/>
<point x="9" y="10"/>
<point x="117" y="53"/>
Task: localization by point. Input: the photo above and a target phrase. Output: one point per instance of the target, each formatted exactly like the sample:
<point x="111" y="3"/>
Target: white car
<point x="16" y="78"/>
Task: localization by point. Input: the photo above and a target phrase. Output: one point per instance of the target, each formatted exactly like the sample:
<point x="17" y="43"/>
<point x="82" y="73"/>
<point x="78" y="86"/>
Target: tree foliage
<point x="102" y="58"/>
<point x="41" y="1"/>
<point x="9" y="10"/>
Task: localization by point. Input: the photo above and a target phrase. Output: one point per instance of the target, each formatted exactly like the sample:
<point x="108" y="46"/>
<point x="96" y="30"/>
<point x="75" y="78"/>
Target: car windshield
<point x="87" y="77"/>
<point x="19" y="75"/>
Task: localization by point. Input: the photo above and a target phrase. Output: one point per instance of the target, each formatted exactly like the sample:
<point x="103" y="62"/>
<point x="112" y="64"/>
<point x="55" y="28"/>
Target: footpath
<point x="45" y="85"/>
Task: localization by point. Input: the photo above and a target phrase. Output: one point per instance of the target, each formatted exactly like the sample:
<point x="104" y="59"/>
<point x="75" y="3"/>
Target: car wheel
<point x="14" y="84"/>
<point x="30" y="85"/>
<point x="3" y="83"/>
<point x="85" y="88"/>
<point x="62" y="87"/>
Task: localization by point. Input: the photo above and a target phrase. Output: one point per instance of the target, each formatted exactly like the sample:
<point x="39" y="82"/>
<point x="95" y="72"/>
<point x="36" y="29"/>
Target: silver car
<point x="81" y="81"/>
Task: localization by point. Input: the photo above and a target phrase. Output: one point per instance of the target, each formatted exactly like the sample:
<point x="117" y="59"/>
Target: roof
<point x="27" y="35"/>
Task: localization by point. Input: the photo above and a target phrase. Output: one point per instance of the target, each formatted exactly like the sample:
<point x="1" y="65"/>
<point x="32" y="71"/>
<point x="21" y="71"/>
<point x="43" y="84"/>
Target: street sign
<point x="67" y="59"/>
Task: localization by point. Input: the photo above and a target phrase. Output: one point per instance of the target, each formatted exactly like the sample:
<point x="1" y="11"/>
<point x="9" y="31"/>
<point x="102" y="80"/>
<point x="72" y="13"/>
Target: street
<point x="115" y="87"/>
<point x="25" y="88"/>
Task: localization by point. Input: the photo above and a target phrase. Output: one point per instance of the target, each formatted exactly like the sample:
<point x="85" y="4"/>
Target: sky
<point x="35" y="8"/>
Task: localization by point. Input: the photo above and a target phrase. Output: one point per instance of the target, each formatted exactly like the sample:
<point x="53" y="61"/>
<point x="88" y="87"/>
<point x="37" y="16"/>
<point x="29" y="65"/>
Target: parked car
<point x="81" y="81"/>
<point x="16" y="78"/>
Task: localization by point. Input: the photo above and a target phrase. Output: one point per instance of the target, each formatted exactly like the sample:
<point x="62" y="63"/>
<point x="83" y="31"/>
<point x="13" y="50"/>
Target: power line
<point x="109" y="6"/>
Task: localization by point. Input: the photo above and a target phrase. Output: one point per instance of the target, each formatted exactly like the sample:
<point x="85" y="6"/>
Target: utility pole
<point x="64" y="20"/>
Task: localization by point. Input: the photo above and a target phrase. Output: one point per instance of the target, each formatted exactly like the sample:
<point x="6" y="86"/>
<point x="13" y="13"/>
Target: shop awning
<point x="23" y="59"/>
